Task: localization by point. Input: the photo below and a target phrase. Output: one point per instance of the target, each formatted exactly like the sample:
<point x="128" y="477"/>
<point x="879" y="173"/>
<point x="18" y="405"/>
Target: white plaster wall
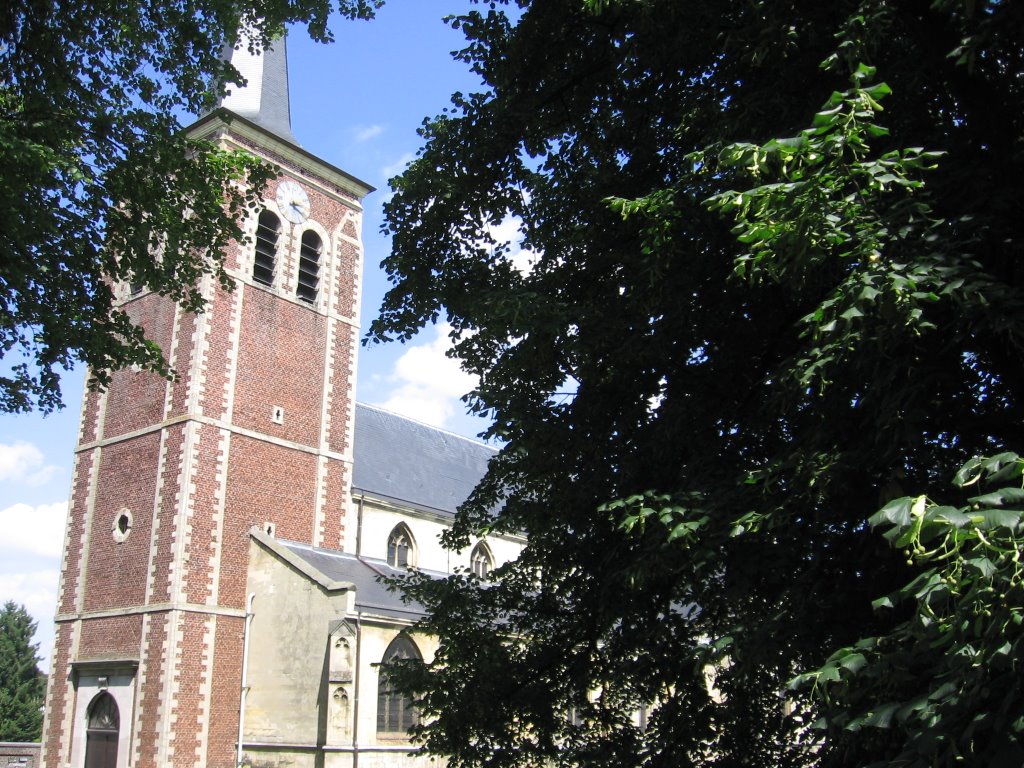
<point x="380" y="521"/>
<point x="288" y="652"/>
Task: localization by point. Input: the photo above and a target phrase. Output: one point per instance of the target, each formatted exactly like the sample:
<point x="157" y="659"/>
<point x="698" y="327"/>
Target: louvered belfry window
<point x="267" y="233"/>
<point x="309" y="266"/>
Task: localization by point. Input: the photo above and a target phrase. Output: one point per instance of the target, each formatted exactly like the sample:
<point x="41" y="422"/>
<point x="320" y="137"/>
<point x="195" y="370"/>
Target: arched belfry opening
<point x="102" y="731"/>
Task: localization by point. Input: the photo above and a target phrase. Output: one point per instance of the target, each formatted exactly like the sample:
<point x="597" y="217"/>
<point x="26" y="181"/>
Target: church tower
<point x="170" y="477"/>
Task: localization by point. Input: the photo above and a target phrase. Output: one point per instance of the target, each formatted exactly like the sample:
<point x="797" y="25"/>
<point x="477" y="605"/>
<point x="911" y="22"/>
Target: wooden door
<point x="102" y="733"/>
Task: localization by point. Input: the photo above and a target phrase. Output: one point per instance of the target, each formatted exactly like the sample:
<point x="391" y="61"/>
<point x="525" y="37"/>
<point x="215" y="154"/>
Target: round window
<point x="122" y="527"/>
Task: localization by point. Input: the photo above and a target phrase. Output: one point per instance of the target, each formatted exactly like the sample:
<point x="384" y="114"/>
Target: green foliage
<point x="945" y="680"/>
<point x="759" y="308"/>
<point x="98" y="176"/>
<point x="22" y="685"/>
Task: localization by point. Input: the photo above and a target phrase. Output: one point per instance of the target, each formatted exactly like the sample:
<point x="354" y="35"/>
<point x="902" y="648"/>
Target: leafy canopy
<point x="22" y="685"/>
<point x="100" y="185"/>
<point x="775" y="284"/>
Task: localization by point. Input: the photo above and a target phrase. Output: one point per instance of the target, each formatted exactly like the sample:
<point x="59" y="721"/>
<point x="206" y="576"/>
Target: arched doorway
<point x="101" y="733"/>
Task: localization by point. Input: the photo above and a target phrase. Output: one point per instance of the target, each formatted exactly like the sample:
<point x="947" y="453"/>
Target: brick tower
<point x="170" y="477"/>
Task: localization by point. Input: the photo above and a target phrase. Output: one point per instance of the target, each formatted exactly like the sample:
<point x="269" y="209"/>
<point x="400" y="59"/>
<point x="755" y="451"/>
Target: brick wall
<point x="280" y="363"/>
<point x="116" y="569"/>
<point x="110" y="637"/>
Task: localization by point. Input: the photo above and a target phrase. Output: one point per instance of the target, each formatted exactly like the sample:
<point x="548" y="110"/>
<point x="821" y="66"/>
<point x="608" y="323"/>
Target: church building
<point x="219" y="600"/>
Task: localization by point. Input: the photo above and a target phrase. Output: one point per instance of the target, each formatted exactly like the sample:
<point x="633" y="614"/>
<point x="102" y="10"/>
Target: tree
<point x="759" y="309"/>
<point x="100" y="184"/>
<point x="22" y="685"/>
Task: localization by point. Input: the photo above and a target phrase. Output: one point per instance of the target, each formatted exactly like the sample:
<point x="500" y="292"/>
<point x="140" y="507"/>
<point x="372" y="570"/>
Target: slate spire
<point x="264" y="97"/>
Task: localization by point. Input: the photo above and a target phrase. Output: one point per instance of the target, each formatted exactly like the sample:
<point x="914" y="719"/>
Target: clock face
<point x="293" y="202"/>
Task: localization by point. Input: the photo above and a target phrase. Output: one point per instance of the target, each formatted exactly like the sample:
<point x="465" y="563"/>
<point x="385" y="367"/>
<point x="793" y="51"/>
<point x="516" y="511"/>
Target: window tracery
<point x="396" y="712"/>
<point x="401" y="547"/>
<point x="481" y="563"/>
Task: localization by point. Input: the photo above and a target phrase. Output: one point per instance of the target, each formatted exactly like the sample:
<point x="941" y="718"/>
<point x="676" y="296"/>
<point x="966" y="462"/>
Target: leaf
<point x="896" y="512"/>
<point x="945" y="514"/>
<point x="722" y="643"/>
<point x="854" y="662"/>
<point x="969" y="473"/>
<point x="879" y="91"/>
<point x="868" y="293"/>
<point x="913" y="707"/>
<point x="982" y="565"/>
<point x="1004" y="466"/>
<point x="829" y="674"/>
<point x="998" y="518"/>
<point x="827" y="117"/>
<point x="800" y="681"/>
<point x="629" y="522"/>
<point x="682" y="529"/>
<point x="881" y="717"/>
<point x="926" y="584"/>
<point x="1000" y="498"/>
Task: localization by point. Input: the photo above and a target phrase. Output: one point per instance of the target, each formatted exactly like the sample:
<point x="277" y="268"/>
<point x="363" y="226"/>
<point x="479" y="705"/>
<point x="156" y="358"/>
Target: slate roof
<point x="264" y="99"/>
<point x="371" y="596"/>
<point x="418" y="466"/>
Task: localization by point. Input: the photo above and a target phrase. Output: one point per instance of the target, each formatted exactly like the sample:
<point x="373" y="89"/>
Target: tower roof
<point x="264" y="98"/>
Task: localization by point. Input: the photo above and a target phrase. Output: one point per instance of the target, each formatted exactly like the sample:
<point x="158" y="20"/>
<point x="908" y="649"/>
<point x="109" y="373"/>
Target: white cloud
<point x="510" y="230"/>
<point x="31" y="539"/>
<point x="367" y="132"/>
<point x="33" y="530"/>
<point x="395" y="168"/>
<point x="36" y="590"/>
<point x="23" y="462"/>
<point x="427" y="384"/>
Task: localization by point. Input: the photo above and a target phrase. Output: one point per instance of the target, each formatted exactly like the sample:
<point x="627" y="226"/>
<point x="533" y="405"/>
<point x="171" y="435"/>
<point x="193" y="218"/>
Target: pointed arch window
<point x="480" y="561"/>
<point x="268" y="231"/>
<point x="309" y="266"/>
<point x="401" y="547"/>
<point x="396" y="712"/>
<point x="102" y="731"/>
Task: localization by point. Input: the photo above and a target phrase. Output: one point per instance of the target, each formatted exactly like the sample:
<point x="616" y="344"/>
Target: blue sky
<point x="357" y="104"/>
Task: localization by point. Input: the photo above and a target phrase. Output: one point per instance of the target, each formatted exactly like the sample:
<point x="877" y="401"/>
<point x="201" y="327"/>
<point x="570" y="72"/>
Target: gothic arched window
<point x="267" y="232"/>
<point x="480" y="561"/>
<point x="396" y="712"/>
<point x="401" y="547"/>
<point x="309" y="266"/>
<point x="101" y="733"/>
